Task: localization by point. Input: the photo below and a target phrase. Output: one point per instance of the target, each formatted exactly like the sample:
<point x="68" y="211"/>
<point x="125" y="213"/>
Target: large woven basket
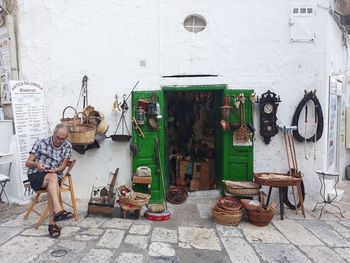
<point x="261" y="218"/>
<point x="69" y="121"/>
<point x="224" y="218"/>
<point x="242" y="187"/>
<point x="83" y="133"/>
<point x="133" y="198"/>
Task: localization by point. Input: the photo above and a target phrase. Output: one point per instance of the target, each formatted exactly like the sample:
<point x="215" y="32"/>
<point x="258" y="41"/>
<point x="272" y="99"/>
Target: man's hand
<point x="40" y="166"/>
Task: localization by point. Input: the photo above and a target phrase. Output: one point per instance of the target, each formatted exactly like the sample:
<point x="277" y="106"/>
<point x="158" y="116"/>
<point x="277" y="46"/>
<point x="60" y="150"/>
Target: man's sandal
<point x="62" y="215"/>
<point x="54" y="230"/>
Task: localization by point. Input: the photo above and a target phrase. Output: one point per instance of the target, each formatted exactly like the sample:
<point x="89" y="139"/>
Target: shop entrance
<point x="191" y="138"/>
<point x="181" y="140"/>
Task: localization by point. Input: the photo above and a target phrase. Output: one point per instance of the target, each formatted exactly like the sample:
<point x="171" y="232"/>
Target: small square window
<point x="295" y="10"/>
<point x="302" y="10"/>
<point x="309" y="10"/>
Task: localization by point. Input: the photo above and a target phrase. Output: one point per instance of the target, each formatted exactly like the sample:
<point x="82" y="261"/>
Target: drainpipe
<point x="13" y="47"/>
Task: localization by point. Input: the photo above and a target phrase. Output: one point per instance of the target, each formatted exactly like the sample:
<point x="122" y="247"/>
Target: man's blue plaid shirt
<point x="50" y="156"/>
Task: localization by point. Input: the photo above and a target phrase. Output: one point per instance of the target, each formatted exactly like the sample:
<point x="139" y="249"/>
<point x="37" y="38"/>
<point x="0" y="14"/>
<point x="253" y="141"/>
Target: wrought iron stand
<point x="322" y="175"/>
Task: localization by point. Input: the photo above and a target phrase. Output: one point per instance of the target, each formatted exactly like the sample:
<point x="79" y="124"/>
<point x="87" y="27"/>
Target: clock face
<point x="268" y="108"/>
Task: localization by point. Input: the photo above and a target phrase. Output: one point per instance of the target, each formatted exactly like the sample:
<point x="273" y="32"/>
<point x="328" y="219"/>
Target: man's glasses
<point x="58" y="138"/>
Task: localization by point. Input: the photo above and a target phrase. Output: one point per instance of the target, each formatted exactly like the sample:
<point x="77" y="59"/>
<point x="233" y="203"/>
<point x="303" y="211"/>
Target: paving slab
<point x="322" y="254"/>
<point x="228" y="231"/>
<point x="157" y="249"/>
<point x="86" y="237"/>
<point x="164" y="259"/>
<point x="292" y="230"/>
<point x="118" y="223"/>
<point x="344" y="252"/>
<point x="98" y="256"/>
<point x="342" y="230"/>
<point x="325" y="233"/>
<point x="239" y="250"/>
<point x="130" y="258"/>
<point x="29" y="247"/>
<point x="200" y="238"/>
<point x="112" y="238"/>
<point x="280" y="253"/>
<point x="140" y="229"/>
<point x="74" y="252"/>
<point x="162" y="234"/>
<point x="205" y="210"/>
<point x="267" y="234"/>
<point x="7" y="233"/>
<point x="92" y="232"/>
<point x="136" y="241"/>
<point x="91" y="221"/>
<point x="66" y="231"/>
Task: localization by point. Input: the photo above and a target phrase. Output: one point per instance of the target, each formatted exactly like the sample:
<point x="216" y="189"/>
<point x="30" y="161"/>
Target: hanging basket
<point x="82" y="134"/>
<point x="69" y="121"/>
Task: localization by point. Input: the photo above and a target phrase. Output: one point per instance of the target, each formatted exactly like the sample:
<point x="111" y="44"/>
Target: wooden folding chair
<point x="66" y="185"/>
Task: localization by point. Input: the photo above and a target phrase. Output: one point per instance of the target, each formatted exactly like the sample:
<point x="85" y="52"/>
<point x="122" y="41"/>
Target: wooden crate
<point x="142" y="179"/>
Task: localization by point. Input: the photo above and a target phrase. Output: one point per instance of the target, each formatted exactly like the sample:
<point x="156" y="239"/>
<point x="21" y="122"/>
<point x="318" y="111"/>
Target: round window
<point x="195" y="23"/>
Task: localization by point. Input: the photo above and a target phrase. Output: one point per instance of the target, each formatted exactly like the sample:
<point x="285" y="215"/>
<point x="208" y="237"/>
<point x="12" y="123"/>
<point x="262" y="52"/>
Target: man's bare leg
<point x="51" y="184"/>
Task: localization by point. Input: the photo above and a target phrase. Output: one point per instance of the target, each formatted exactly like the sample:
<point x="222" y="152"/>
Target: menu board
<point x="30" y="117"/>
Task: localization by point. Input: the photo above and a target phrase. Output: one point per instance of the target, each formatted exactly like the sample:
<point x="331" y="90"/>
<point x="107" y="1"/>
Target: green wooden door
<point x="147" y="147"/>
<point x="237" y="161"/>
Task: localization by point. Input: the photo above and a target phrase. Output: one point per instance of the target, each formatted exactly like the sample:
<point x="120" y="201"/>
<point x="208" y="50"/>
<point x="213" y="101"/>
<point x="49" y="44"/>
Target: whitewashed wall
<point x="246" y="43"/>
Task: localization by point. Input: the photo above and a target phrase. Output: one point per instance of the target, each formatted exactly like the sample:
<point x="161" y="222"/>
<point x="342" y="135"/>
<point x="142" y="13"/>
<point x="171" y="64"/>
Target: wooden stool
<point x="65" y="186"/>
<point x="126" y="208"/>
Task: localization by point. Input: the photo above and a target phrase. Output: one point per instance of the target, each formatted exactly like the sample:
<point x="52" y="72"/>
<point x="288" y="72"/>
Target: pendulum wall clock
<point x="268" y="104"/>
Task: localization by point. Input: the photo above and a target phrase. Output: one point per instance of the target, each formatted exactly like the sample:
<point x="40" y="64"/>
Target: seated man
<point x="46" y="162"/>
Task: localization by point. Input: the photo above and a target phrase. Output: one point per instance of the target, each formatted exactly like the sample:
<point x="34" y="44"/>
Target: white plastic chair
<point x="5" y="158"/>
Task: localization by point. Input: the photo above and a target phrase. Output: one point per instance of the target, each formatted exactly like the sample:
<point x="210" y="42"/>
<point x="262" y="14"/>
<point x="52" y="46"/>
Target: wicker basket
<point x="261" y="218"/>
<point x="218" y="208"/>
<point x="132" y="198"/>
<point x="68" y="121"/>
<point x="229" y="203"/>
<point x="242" y="187"/>
<point x="82" y="134"/>
<point x="223" y="218"/>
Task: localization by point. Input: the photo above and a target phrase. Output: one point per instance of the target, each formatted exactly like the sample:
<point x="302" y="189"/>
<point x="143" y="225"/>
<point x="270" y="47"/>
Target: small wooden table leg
<point x="280" y="189"/>
<point x="301" y="198"/>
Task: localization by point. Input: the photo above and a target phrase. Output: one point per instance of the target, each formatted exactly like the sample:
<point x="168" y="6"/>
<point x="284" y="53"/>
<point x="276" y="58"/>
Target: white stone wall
<point x="246" y="43"/>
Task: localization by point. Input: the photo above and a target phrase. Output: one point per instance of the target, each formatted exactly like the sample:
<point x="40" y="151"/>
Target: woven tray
<point x="229" y="203"/>
<point x="242" y="187"/>
<point x="276" y="179"/>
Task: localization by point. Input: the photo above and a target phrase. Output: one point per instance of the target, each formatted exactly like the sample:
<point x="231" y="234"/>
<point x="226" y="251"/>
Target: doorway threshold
<point x="205" y="194"/>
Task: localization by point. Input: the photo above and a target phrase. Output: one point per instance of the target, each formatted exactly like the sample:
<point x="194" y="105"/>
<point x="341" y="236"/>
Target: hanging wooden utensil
<point x="242" y="135"/>
<point x="305" y="129"/>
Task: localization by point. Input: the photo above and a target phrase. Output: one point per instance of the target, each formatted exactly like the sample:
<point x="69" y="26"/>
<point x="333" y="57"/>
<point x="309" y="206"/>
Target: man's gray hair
<point x="60" y="126"/>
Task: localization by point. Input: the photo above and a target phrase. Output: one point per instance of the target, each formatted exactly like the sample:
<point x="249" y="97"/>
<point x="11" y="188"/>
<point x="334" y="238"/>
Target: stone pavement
<point x="189" y="236"/>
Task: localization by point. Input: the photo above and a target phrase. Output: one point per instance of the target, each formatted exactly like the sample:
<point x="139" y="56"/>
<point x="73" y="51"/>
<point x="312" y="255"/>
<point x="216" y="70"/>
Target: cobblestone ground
<point x="189" y="236"/>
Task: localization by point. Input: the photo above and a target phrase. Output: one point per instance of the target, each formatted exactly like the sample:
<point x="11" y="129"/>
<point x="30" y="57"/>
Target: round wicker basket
<point x="132" y="198"/>
<point x="260" y="218"/>
<point x="219" y="208"/>
<point x="223" y="218"/>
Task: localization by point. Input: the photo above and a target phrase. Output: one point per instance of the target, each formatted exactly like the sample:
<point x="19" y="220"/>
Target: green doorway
<point x="208" y="151"/>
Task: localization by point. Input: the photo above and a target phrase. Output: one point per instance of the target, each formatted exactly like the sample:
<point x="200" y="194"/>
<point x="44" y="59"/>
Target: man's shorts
<point x="36" y="180"/>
